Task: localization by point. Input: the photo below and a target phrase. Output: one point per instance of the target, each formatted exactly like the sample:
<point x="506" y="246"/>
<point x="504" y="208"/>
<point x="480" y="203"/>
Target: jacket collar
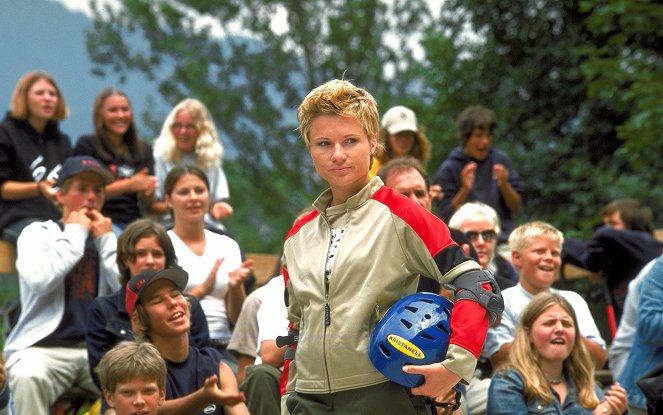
<point x="322" y="202"/>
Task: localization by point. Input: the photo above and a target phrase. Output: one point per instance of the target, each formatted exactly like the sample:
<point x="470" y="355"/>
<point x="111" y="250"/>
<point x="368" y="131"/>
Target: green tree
<point x="525" y="61"/>
<point x="252" y="78"/>
<point x="624" y="65"/>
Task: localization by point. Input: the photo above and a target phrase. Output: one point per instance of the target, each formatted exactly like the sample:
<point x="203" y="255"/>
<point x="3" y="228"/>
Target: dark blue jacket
<point x="484" y="190"/>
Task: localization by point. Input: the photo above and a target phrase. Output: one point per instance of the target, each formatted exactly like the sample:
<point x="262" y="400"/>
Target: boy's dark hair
<point x="129" y="360"/>
<point x="636" y="215"/>
<point x="474" y="117"/>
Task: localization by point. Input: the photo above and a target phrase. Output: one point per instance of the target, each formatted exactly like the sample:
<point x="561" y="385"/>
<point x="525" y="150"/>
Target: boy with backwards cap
<point x="62" y="266"/>
<point x="197" y="380"/>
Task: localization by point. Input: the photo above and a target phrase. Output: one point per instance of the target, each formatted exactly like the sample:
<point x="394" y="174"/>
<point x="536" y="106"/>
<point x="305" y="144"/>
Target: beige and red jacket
<point x="389" y="241"/>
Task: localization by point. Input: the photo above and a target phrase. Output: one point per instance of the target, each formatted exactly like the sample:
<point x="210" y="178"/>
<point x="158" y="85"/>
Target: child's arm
<point x="228" y="384"/>
<point x="214" y="391"/>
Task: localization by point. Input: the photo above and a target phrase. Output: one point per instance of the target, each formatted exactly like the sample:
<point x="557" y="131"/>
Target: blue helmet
<point x="414" y="331"/>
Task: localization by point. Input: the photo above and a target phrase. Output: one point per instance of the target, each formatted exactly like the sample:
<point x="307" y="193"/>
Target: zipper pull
<point x="327" y="313"/>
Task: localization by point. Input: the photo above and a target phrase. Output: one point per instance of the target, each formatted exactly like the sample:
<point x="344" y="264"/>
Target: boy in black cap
<point x="62" y="267"/>
<point x="197" y="380"/>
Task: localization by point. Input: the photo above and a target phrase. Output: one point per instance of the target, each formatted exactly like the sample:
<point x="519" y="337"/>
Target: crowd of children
<point x="131" y="290"/>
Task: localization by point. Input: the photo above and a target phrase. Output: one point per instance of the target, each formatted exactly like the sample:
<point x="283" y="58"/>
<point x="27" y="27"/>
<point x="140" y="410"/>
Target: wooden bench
<point x="7" y="258"/>
<point x="263" y="266"/>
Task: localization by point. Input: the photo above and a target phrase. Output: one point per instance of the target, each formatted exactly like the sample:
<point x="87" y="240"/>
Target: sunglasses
<point x="487" y="236"/>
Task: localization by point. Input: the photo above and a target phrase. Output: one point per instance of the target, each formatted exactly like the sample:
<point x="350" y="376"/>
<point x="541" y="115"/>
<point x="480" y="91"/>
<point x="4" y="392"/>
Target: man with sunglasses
<point x="481" y="225"/>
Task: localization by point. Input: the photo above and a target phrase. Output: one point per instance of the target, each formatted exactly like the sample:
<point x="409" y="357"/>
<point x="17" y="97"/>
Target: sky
<point x="278" y="24"/>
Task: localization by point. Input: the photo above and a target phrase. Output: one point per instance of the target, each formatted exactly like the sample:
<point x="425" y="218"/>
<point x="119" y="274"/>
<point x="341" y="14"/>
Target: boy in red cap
<point x="198" y="381"/>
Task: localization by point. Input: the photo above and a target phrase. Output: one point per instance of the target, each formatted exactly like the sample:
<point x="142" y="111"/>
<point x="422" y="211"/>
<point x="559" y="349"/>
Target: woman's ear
<point x="373" y="143"/>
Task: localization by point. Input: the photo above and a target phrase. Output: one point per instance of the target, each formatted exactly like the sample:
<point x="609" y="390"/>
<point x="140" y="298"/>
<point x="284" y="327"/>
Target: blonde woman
<point x="549" y="371"/>
<point x="188" y="136"/>
<point x="361" y="249"/>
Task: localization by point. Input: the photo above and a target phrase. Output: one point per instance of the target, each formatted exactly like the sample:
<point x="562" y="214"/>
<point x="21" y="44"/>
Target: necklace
<point x="557" y="381"/>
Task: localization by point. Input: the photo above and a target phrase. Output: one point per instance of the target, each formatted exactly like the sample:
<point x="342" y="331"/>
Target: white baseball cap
<point x="399" y="118"/>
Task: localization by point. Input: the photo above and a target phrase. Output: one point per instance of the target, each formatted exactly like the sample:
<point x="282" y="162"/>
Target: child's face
<point x="537" y="264"/>
<point x="167" y="309"/>
<point x="137" y="396"/>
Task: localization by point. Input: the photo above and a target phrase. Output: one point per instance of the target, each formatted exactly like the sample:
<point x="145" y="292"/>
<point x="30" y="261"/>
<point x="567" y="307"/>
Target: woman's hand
<point x="238" y="276"/>
<point x="221" y="210"/>
<point x="615" y="401"/>
<point x="439" y="380"/>
<point x="206" y="287"/>
<point x="45" y="188"/>
<point x="143" y="183"/>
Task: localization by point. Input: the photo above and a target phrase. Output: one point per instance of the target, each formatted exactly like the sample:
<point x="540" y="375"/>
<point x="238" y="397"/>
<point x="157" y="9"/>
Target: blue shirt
<point x="506" y="395"/>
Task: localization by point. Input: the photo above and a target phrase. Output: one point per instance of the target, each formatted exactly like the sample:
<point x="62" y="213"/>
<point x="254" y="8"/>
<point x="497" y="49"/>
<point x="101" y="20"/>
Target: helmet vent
<point x="427" y="336"/>
<point x="426" y="300"/>
<point x="385" y="350"/>
<point x="441" y="327"/>
<point x="447" y="311"/>
<point x="427" y="316"/>
<point x="410" y="308"/>
<point x="406" y="323"/>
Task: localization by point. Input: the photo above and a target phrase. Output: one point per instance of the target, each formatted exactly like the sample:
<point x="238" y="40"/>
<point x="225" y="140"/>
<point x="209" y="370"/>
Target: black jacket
<point x="28" y="156"/>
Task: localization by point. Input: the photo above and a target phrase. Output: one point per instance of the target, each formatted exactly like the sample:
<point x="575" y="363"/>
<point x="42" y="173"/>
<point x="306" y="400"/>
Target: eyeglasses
<point x="488" y="235"/>
<point x="177" y="126"/>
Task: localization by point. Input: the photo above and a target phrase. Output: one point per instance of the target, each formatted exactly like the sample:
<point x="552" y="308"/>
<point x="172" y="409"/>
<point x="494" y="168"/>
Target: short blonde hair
<point x="130" y="360"/>
<point x="471" y="210"/>
<point x="524" y="234"/>
<point x="342" y="98"/>
<point x="208" y="148"/>
<point x="19" y="105"/>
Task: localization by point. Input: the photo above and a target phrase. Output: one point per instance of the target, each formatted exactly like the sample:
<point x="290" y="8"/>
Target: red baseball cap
<point x="137" y="285"/>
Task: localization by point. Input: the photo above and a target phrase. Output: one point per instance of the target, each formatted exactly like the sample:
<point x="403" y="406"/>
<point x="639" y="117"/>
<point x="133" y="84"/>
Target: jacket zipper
<point x="327" y="312"/>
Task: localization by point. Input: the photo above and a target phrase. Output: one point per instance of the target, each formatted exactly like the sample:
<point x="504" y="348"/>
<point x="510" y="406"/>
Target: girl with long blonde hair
<point x="189" y="137"/>
<point x="548" y="368"/>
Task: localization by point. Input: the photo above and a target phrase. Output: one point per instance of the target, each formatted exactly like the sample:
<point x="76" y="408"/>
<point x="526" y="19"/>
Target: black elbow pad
<point x="468" y="287"/>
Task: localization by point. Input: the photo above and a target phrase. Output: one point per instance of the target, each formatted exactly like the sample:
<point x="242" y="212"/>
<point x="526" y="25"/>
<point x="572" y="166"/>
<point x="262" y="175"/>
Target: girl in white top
<point x="213" y="261"/>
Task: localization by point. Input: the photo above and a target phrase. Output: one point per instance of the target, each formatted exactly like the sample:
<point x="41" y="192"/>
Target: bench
<point x="263" y="266"/>
<point x="7" y="258"/>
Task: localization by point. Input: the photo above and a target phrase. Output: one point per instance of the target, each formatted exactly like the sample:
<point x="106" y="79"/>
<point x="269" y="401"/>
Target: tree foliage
<point x="625" y="66"/>
<point x="252" y="75"/>
<point x="577" y="88"/>
<point x="527" y="64"/>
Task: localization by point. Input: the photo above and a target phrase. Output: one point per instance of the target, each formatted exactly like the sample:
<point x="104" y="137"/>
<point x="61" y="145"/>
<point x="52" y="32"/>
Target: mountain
<point x="44" y="35"/>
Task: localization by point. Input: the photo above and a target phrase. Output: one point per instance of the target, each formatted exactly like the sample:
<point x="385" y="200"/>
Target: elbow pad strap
<point x="468" y="287"/>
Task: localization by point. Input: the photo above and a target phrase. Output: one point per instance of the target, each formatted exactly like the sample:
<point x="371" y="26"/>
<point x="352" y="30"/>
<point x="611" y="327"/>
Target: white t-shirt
<point x="198" y="266"/>
<point x="515" y="300"/>
<point x="272" y="314"/>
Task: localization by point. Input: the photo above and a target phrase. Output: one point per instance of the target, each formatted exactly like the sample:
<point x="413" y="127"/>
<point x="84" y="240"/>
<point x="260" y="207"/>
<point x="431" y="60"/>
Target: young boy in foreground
<point x="133" y="378"/>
